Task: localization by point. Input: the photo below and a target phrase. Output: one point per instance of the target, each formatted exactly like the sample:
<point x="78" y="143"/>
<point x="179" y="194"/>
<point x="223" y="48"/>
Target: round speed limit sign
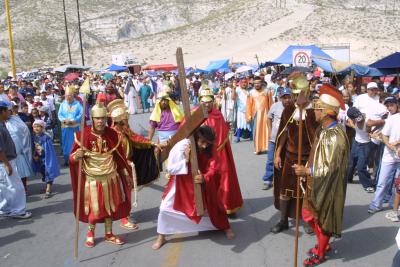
<point x="302" y="59"/>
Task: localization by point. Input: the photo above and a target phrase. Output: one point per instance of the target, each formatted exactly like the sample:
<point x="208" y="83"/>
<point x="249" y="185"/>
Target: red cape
<point x="123" y="209"/>
<point x="229" y="188"/>
<point x="184" y="193"/>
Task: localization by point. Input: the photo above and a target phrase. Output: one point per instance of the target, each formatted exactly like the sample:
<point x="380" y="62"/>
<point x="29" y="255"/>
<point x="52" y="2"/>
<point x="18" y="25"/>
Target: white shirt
<point x="361" y="134"/>
<point x="392" y="130"/>
<point x="369" y="106"/>
<point x="48" y="103"/>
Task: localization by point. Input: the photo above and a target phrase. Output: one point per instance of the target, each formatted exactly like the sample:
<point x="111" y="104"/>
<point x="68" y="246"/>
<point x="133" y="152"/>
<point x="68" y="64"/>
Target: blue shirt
<point x="71" y="111"/>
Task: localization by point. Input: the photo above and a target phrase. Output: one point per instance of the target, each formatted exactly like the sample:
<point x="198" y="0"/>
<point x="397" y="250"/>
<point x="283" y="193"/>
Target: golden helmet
<point x="206" y="95"/>
<point x="298" y="82"/>
<point x="98" y="111"/>
<point x="117" y="110"/>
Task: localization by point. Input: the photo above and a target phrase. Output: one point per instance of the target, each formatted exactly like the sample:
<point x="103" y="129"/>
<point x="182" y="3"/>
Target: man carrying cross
<point x="178" y="210"/>
<point x="191" y="202"/>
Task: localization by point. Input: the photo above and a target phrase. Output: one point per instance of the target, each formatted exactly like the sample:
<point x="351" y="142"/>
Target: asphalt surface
<point x="47" y="238"/>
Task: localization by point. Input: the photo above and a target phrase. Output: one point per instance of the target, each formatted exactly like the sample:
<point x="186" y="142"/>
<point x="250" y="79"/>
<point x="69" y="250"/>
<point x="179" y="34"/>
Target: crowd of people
<point x="357" y="123"/>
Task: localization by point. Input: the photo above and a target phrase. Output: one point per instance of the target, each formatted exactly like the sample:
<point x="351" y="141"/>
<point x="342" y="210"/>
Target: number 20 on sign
<point x="302" y="58"/>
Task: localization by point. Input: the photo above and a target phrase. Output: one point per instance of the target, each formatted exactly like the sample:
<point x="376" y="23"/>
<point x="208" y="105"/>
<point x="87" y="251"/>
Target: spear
<point x="85" y="90"/>
<point x="301" y="103"/>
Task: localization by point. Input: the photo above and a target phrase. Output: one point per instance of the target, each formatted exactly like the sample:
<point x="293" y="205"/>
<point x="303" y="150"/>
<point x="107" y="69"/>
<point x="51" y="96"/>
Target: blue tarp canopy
<point x="218" y="65"/>
<point x="359" y="70"/>
<point x="323" y="63"/>
<point x="362" y="71"/>
<point x="389" y="62"/>
<point x="287" y="56"/>
<point x="114" y="67"/>
<point x="268" y="64"/>
<point x="199" y="71"/>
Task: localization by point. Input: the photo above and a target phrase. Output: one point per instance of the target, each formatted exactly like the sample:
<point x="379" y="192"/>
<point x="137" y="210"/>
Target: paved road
<point x="46" y="240"/>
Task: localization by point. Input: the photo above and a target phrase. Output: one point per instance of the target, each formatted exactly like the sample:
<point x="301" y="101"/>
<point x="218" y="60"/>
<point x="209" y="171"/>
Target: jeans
<point x="386" y="175"/>
<point x="269" y="166"/>
<point x="375" y="155"/>
<point x="359" y="159"/>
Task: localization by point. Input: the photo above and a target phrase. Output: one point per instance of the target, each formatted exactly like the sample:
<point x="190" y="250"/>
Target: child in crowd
<point x="25" y="116"/>
<point x="35" y="114"/>
<point x="44" y="156"/>
<point x="44" y="116"/>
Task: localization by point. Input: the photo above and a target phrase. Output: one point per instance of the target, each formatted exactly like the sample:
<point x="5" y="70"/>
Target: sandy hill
<point x="150" y="30"/>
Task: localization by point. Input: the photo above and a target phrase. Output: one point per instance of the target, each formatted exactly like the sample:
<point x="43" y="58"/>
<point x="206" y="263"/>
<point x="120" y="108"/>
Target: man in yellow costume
<point x="325" y="173"/>
<point x="165" y="118"/>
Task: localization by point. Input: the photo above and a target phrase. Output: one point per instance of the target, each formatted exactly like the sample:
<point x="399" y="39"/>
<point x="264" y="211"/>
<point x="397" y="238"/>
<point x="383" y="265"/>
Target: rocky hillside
<point x="39" y="33"/>
<point x="150" y="30"/>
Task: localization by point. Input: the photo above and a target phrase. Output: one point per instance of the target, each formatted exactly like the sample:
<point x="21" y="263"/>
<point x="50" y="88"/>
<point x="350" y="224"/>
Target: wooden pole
<point x="301" y="104"/>
<point x="66" y="32"/>
<point x="80" y="32"/>
<point x="258" y="62"/>
<point x="193" y="151"/>
<point x="299" y="151"/>
<point x="10" y="40"/>
<point x="78" y="198"/>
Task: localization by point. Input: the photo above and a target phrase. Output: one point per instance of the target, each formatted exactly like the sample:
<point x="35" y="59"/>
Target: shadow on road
<point x="369" y="241"/>
<point x="355" y="214"/>
<point x="145" y="215"/>
<point x="38" y="188"/>
<point x="23" y="234"/>
<point x="53" y="207"/>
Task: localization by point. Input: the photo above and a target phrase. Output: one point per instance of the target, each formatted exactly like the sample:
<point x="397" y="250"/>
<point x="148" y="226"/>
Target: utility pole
<point x="66" y="32"/>
<point x="10" y="40"/>
<point x="80" y="33"/>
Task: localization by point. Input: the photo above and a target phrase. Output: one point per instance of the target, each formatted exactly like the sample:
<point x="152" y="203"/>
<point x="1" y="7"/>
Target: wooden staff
<point x="193" y="151"/>
<point x="84" y="90"/>
<point x="301" y="103"/>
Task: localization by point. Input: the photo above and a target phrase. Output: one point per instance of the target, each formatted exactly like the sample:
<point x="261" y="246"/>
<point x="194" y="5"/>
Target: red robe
<point x="184" y="193"/>
<point x="229" y="189"/>
<point x="121" y="195"/>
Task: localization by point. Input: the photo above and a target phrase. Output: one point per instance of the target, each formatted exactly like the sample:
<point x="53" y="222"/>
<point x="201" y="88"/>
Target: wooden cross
<point x="192" y="122"/>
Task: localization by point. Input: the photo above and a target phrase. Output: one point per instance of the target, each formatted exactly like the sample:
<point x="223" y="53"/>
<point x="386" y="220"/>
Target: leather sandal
<point x="314" y="250"/>
<point x="113" y="239"/>
<point x="125" y="223"/>
<point x="313" y="260"/>
<point x="89" y="239"/>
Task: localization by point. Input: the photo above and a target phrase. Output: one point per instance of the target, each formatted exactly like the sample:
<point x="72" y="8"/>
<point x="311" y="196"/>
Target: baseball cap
<point x="285" y="91"/>
<point x="4" y="104"/>
<point x="372" y="85"/>
<point x="354" y="114"/>
<point x="390" y="99"/>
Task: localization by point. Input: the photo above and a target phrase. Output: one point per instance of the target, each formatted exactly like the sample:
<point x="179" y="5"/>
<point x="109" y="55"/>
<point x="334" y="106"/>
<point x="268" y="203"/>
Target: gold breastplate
<point x="99" y="164"/>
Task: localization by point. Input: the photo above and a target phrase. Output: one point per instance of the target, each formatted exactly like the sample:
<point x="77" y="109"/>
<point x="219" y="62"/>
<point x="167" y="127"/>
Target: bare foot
<point x="159" y="242"/>
<point x="229" y="234"/>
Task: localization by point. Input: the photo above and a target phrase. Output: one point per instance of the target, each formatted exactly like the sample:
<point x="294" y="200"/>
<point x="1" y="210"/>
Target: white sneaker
<point x="392" y="215"/>
<point x="26" y="215"/>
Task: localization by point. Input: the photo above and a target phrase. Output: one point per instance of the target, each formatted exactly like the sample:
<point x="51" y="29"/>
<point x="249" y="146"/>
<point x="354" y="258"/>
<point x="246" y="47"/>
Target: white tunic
<point x="130" y="95"/>
<point x="227" y="105"/>
<point x="171" y="221"/>
<point x="12" y="192"/>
